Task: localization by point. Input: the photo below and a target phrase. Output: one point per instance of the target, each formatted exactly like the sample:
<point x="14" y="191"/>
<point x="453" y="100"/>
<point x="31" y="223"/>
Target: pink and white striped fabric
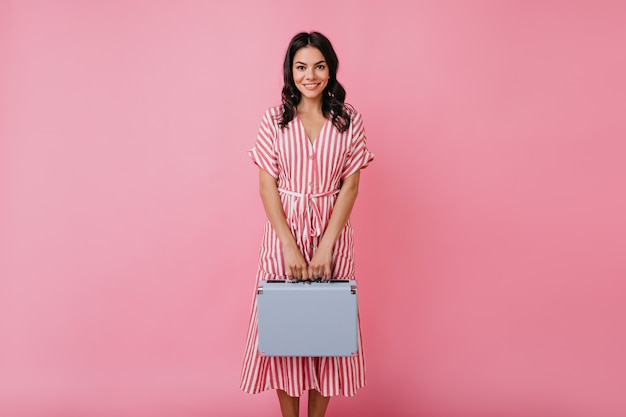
<point x="309" y="177"/>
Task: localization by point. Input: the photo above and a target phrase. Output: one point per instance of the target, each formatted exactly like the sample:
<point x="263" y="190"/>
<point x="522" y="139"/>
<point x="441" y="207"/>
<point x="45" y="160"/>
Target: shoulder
<point x="355" y="117"/>
<point x="352" y="113"/>
<point x="273" y="114"/>
<point x="270" y="120"/>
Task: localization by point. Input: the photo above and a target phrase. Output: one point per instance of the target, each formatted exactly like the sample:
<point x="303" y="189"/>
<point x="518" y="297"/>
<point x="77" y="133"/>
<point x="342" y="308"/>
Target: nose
<point x="310" y="73"/>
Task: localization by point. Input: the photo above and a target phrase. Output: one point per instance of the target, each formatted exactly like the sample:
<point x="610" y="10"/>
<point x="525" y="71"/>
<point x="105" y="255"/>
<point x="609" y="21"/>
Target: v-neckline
<point x="319" y="134"/>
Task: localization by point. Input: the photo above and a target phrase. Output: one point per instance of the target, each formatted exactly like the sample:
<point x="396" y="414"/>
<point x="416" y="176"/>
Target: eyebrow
<point x="317" y="63"/>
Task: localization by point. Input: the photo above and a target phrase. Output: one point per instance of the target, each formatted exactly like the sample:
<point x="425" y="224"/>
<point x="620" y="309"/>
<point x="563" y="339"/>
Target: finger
<point x="314" y="273"/>
<point x="305" y="275"/>
<point x="295" y="273"/>
<point x="327" y="273"/>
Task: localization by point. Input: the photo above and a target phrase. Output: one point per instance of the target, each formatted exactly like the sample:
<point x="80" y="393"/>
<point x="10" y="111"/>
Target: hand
<point x="320" y="265"/>
<point x="295" y="265"/>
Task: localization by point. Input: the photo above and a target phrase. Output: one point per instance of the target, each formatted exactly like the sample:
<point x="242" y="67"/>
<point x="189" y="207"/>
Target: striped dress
<point x="309" y="176"/>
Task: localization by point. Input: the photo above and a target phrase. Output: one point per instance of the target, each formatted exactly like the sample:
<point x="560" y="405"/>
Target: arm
<point x="295" y="265"/>
<point x="320" y="265"/>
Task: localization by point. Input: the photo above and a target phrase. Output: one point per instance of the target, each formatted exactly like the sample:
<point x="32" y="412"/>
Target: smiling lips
<point x="311" y="86"/>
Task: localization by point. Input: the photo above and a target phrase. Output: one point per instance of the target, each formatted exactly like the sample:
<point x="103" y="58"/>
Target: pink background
<point x="490" y="229"/>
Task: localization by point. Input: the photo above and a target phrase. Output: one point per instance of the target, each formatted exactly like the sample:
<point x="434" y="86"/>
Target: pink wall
<point x="490" y="228"/>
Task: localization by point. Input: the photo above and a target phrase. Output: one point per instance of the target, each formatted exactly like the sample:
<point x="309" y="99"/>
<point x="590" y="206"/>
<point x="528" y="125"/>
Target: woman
<point x="310" y="151"/>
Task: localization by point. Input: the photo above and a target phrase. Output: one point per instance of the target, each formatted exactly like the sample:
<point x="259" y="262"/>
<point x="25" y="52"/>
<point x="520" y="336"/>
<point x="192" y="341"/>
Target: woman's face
<point x="310" y="72"/>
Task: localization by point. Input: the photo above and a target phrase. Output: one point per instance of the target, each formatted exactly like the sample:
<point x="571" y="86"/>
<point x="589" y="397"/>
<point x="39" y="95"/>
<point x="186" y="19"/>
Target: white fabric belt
<point x="306" y="214"/>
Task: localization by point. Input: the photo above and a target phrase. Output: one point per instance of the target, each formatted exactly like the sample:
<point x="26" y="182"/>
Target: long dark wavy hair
<point x="334" y="95"/>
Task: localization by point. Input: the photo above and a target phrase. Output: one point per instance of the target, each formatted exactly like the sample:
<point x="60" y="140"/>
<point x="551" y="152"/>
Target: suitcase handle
<point x="295" y="281"/>
<point x="353" y="288"/>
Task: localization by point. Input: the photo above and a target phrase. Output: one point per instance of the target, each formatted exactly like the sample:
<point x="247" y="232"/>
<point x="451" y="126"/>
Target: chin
<point x="311" y="94"/>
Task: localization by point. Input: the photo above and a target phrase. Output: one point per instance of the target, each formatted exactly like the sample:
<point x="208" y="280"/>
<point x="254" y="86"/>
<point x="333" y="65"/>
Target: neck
<point x="310" y="105"/>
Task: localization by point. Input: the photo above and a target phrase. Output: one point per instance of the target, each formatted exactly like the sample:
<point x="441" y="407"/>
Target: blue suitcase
<point x="307" y="318"/>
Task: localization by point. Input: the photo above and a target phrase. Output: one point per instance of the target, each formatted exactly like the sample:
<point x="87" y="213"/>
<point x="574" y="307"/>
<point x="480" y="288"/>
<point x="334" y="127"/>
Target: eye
<point x="300" y="67"/>
<point x="321" y="67"/>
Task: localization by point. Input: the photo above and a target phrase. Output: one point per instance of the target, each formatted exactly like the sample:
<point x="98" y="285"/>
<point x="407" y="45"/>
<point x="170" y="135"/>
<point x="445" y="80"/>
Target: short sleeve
<point x="359" y="156"/>
<point x="263" y="153"/>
